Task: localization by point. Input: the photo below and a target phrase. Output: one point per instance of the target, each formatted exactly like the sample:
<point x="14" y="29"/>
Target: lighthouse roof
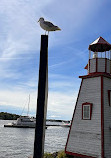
<point x="100" y="45"/>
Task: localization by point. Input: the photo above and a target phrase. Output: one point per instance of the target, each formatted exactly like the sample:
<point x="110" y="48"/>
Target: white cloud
<point x="62" y="103"/>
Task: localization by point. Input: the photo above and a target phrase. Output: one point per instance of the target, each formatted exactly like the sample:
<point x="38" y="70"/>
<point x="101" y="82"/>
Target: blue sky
<point x="81" y="22"/>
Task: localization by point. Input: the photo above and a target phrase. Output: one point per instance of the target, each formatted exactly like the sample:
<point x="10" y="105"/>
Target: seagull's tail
<point x="57" y="28"/>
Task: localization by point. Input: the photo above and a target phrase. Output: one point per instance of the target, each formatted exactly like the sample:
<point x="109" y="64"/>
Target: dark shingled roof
<point x="100" y="45"/>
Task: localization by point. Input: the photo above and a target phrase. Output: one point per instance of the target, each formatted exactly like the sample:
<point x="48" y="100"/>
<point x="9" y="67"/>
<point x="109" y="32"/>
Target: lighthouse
<point x="90" y="132"/>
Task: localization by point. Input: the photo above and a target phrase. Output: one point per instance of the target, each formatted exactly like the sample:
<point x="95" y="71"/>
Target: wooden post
<point x="41" y="100"/>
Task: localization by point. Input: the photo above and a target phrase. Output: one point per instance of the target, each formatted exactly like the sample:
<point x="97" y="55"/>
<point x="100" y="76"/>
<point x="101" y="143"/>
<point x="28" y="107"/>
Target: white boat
<point x="24" y="121"/>
<point x="66" y="124"/>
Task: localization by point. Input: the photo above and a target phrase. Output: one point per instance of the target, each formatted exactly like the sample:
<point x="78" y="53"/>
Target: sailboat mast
<point x="28" y="105"/>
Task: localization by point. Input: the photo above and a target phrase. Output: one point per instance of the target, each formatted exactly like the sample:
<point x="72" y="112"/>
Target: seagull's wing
<point x="49" y="24"/>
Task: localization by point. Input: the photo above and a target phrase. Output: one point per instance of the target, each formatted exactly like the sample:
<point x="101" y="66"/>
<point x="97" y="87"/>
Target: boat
<point x="24" y="121"/>
<point x="66" y="124"/>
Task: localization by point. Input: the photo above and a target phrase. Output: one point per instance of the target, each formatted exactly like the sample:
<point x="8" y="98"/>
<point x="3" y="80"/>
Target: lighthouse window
<point x="109" y="97"/>
<point x="86" y="111"/>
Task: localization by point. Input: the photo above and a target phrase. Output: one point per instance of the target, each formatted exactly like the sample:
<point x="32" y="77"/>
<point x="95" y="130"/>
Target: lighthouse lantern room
<point x="90" y="132"/>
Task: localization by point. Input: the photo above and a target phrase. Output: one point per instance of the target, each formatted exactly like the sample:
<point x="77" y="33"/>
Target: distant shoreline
<point x="10" y="116"/>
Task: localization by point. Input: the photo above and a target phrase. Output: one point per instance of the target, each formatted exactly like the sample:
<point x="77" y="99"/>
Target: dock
<point x="21" y="126"/>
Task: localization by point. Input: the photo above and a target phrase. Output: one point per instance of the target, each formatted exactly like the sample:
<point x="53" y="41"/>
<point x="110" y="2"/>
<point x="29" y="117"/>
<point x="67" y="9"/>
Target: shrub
<point x="62" y="154"/>
<point x="48" y="155"/>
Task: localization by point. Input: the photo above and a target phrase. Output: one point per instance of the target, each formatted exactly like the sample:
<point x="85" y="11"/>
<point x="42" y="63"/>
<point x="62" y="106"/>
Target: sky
<point x="81" y="22"/>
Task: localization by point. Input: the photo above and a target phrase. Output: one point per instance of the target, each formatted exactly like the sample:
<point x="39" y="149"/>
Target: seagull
<point x="47" y="26"/>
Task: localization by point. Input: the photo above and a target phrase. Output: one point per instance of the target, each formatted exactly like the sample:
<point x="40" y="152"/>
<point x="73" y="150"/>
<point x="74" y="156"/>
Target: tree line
<point x="8" y="116"/>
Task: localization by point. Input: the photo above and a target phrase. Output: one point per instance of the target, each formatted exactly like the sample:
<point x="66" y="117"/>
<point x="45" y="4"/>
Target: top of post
<point x="44" y="42"/>
<point x="100" y="45"/>
<point x="44" y="36"/>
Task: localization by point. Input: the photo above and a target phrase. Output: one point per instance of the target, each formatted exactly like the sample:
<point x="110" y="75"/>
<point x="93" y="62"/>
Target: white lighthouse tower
<point x="90" y="132"/>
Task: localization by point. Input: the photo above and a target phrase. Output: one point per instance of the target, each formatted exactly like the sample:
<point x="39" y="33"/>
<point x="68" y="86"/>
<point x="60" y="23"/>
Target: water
<point x="19" y="142"/>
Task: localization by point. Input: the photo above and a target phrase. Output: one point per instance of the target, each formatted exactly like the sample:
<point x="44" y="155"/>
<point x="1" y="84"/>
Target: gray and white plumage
<point x="48" y="26"/>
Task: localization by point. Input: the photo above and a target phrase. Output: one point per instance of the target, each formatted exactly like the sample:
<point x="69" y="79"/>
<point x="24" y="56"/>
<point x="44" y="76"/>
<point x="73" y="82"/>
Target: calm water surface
<point x="19" y="142"/>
